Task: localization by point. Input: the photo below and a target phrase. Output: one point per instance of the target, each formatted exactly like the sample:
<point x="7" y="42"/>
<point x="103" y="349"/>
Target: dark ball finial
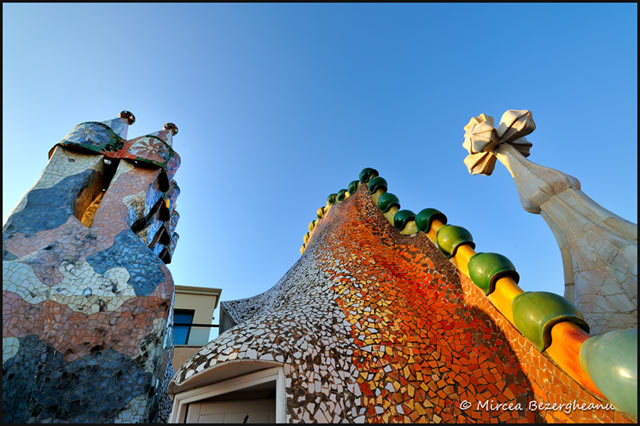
<point x="172" y="127"/>
<point x="129" y="116"/>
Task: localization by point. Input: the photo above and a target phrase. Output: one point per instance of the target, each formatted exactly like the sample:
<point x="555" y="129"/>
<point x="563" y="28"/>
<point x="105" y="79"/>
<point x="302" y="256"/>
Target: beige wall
<point x="181" y="354"/>
<point x="203" y="301"/>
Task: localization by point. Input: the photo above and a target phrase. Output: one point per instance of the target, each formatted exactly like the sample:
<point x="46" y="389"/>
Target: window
<point x="181" y="329"/>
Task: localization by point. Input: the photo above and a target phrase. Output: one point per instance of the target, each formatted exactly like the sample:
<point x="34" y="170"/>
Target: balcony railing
<point x="197" y="334"/>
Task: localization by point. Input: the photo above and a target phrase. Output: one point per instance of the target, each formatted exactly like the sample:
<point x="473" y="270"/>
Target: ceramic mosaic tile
<point x="375" y="326"/>
<point x="86" y="303"/>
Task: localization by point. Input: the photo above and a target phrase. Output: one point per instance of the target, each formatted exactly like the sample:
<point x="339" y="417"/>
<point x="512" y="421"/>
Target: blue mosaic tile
<point x="39" y="386"/>
<point x="131" y="253"/>
<point x="48" y="208"/>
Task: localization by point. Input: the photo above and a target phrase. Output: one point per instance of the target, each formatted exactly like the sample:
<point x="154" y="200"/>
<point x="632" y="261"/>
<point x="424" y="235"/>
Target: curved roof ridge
<point x="550" y="321"/>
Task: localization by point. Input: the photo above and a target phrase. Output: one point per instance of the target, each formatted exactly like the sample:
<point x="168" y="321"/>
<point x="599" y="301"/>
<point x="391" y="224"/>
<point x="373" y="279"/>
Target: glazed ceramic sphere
<point x="451" y="237"/>
<point x="128" y="116"/>
<point x="403" y="217"/>
<point x="353" y="186"/>
<point x="386" y="201"/>
<point x="425" y="218"/>
<point x="172" y="128"/>
<point x="535" y="312"/>
<point x="611" y="360"/>
<point x="367" y="173"/>
<point x="376" y="183"/>
<point x="486" y="268"/>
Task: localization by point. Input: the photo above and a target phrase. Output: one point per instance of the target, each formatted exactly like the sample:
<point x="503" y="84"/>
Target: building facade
<point x="193" y="309"/>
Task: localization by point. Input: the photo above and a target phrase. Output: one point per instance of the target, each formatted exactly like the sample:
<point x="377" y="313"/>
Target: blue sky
<point x="280" y="105"/>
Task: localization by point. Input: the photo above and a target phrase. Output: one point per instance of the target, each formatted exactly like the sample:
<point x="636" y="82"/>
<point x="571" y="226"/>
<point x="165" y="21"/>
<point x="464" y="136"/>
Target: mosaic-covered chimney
<point x="87" y="297"/>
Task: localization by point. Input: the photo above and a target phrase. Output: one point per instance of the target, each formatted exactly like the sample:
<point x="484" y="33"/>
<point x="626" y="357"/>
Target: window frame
<point x="183" y="311"/>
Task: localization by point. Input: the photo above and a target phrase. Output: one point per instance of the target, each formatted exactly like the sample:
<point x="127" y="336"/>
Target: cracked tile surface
<point x="375" y="326"/>
<point x="86" y="303"/>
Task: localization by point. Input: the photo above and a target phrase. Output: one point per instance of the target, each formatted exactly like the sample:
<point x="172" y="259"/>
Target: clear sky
<point x="280" y="105"/>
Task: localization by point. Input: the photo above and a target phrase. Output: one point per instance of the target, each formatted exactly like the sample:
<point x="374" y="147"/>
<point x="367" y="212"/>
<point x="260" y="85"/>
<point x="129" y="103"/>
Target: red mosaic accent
<point x="76" y="334"/>
<point x="427" y="338"/>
